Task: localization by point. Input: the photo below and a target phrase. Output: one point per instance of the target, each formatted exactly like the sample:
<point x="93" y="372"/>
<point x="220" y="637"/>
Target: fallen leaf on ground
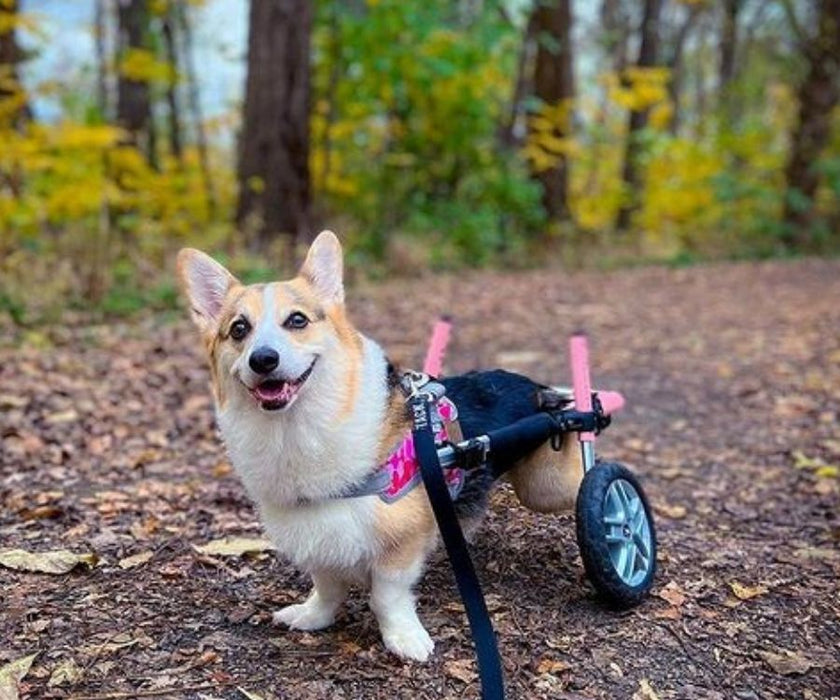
<point x="66" y="673"/>
<point x="746" y="592"/>
<point x="672" y="512"/>
<point x="552" y="666"/>
<point x="234" y="546"/>
<point x="461" y="669"/>
<point x="58" y="561"/>
<point x="645" y="691"/>
<point x="12" y="401"/>
<point x="59" y="417"/>
<point x="41" y="512"/>
<point x="135" y="560"/>
<point x="248" y="694"/>
<point x="788" y="663"/>
<point x="11" y="674"/>
<point x="115" y="643"/>
<point x="672" y="593"/>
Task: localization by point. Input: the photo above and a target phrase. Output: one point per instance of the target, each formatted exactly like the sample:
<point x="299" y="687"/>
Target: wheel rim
<point x="628" y="532"/>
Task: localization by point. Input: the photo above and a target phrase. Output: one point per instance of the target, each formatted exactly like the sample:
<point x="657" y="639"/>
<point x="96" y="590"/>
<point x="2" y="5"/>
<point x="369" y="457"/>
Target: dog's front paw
<point x="409" y="642"/>
<point x="304" y="616"/>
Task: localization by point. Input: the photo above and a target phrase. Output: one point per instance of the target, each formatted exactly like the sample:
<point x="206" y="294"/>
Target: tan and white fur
<point x="335" y="422"/>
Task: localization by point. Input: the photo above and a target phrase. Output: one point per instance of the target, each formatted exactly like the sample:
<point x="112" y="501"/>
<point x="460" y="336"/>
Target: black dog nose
<point x="264" y="359"/>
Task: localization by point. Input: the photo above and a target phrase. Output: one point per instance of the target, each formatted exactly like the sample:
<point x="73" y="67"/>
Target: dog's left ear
<point x="324" y="267"/>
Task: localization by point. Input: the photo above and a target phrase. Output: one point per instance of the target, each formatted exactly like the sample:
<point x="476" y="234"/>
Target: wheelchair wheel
<point x="615" y="534"/>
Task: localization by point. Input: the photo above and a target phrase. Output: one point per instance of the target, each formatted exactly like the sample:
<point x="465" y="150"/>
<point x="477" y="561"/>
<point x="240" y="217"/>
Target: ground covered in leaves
<point x="732" y="375"/>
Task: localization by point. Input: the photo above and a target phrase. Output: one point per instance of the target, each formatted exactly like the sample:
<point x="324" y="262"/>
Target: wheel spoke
<point x="622" y="497"/>
<point x="616" y="503"/>
<point x="642" y="546"/>
<point x="630" y="563"/>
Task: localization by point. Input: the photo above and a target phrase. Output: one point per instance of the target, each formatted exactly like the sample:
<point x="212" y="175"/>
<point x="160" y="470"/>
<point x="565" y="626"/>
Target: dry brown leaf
<point x="461" y="669"/>
<point x="248" y="694"/>
<point x="234" y="546"/>
<point x="12" y="401"/>
<point x="645" y="691"/>
<point x="788" y="663"/>
<point x="552" y="666"/>
<point x="672" y="593"/>
<point x="349" y="647"/>
<point x="673" y="512"/>
<point x="59" y="561"/>
<point x="12" y="674"/>
<point x="115" y="643"/>
<point x="60" y="417"/>
<point x="66" y="673"/>
<point x="671" y="613"/>
<point x="746" y="592"/>
<point x="135" y="560"/>
<point x="44" y="512"/>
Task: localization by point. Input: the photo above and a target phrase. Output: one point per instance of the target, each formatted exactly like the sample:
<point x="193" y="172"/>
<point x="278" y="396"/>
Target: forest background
<point x="432" y="135"/>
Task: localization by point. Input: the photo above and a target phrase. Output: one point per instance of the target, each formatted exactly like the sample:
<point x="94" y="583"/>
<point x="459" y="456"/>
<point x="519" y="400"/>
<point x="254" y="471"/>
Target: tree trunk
<point x="616" y="33"/>
<point x="174" y="113"/>
<point x="100" y="32"/>
<point x="675" y="65"/>
<point x="274" y="181"/>
<point x="522" y="86"/>
<point x="631" y="173"/>
<point x="818" y="95"/>
<point x="10" y="56"/>
<point x="194" y="102"/>
<point x="554" y="87"/>
<point x="134" y="104"/>
<point x="728" y="67"/>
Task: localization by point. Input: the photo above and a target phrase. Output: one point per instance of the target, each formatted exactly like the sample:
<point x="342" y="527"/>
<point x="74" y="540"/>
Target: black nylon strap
<point x="484" y="638"/>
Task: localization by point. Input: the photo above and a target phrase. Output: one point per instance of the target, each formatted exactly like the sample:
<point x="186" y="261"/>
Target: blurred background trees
<point x="431" y="134"/>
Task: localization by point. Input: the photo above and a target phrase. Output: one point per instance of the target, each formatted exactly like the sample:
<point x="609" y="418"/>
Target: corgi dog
<point x="309" y="408"/>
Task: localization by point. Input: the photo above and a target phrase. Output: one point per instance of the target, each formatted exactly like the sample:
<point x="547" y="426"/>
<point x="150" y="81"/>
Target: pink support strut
<point x="433" y="364"/>
<point x="611" y="401"/>
<point x="579" y="356"/>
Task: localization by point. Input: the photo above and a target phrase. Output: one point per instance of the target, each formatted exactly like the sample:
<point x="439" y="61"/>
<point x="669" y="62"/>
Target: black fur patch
<point x="491" y="400"/>
<point x="487" y="401"/>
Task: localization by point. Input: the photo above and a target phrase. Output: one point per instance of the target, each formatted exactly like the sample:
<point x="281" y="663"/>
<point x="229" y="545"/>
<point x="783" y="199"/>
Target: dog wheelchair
<point x="614" y="522"/>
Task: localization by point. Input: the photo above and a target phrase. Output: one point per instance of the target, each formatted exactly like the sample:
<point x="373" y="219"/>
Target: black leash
<point x="484" y="638"/>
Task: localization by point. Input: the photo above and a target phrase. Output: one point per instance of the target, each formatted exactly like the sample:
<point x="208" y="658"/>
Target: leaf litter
<point x="733" y="393"/>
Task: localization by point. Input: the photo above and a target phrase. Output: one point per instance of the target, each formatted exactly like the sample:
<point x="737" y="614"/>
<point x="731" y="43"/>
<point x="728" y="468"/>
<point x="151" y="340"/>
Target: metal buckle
<point x="411" y="382"/>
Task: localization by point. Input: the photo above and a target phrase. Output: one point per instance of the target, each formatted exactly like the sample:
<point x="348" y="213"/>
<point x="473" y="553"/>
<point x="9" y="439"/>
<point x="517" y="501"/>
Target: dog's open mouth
<point x="274" y="394"/>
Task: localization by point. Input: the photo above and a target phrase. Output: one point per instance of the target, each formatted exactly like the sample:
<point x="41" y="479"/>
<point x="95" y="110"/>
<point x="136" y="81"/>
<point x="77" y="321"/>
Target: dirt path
<point x="732" y="374"/>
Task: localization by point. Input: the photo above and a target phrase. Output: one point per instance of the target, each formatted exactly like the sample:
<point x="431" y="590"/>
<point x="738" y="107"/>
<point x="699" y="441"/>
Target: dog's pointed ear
<point x="324" y="267"/>
<point x="205" y="283"/>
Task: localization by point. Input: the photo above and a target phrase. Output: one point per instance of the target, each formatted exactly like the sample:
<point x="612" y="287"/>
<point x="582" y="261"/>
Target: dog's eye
<point x="239" y="329"/>
<point x="296" y="321"/>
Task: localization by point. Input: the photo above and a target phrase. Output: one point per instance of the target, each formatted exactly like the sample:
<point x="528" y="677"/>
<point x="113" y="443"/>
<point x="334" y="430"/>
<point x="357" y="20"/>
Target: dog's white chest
<point x="335" y="535"/>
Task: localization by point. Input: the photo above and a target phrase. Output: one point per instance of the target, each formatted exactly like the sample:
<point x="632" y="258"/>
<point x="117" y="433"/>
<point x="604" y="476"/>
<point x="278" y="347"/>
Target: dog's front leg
<point x="319" y="609"/>
<point x="393" y="603"/>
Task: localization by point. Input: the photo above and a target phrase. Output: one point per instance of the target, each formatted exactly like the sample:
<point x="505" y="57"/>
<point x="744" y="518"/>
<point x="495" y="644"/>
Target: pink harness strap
<point x="404" y="469"/>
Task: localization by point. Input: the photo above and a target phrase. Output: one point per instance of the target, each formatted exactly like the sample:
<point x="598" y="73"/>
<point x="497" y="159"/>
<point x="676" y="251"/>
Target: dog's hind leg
<point x="319" y="609"/>
<point x="547" y="481"/>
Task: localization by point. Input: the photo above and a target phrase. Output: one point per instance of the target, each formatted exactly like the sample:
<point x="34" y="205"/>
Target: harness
<point x="400" y="473"/>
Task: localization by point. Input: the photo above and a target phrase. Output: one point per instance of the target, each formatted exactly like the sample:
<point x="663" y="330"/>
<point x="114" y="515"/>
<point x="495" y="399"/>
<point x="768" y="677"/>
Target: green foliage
<point x="405" y="139"/>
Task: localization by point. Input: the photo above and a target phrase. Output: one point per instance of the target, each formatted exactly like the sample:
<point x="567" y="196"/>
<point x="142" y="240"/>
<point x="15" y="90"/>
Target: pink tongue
<point x="272" y="391"/>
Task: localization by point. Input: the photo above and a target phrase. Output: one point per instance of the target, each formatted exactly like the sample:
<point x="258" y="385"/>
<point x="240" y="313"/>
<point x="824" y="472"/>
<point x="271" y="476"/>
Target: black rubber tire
<point x="592" y="541"/>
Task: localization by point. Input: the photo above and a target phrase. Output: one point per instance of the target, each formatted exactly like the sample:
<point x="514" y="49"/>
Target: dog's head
<point x="269" y="343"/>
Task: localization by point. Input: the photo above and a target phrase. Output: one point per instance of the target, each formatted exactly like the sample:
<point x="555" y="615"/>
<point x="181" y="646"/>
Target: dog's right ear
<point x="205" y="283"/>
